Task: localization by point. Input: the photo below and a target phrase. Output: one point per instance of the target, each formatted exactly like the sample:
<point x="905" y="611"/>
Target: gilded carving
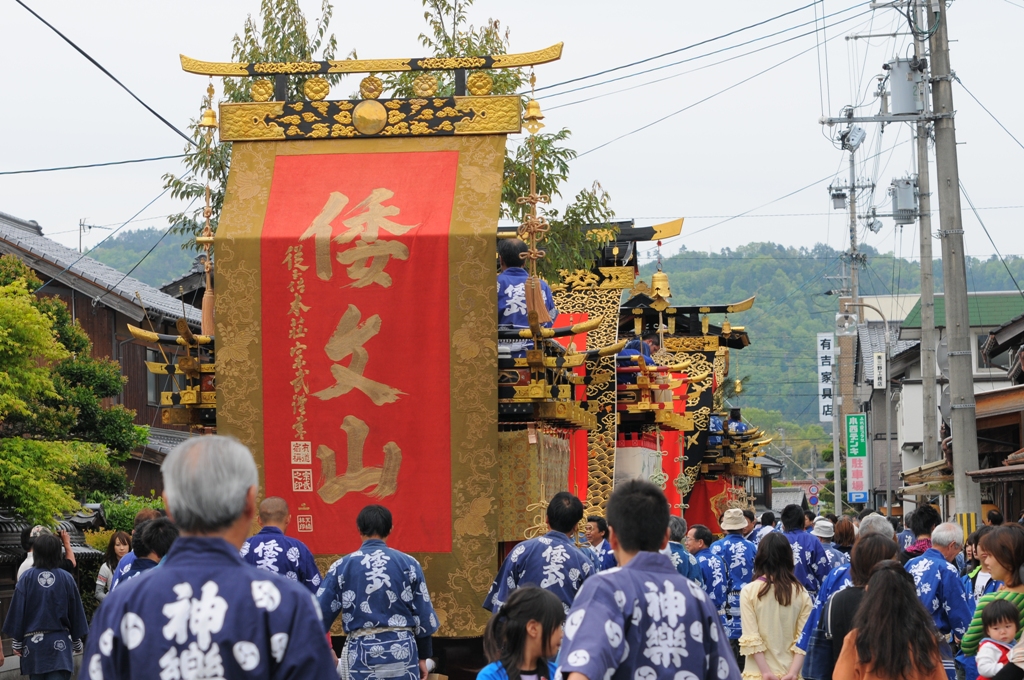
<point x="262" y="90"/>
<point x="617" y="277"/>
<point x="479" y="83"/>
<point x="450" y="63"/>
<point x="490" y="115"/>
<point x="425" y="85"/>
<point x="212" y="68"/>
<point x="316" y="88"/>
<point x="287" y="67"/>
<point x="543" y="56"/>
<point x="368" y="118"/>
<point x="371" y="87"/>
<point x="604" y="302"/>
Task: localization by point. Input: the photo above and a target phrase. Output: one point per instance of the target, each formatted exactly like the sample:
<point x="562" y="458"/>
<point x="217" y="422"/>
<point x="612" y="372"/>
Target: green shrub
<point x="120" y="514"/>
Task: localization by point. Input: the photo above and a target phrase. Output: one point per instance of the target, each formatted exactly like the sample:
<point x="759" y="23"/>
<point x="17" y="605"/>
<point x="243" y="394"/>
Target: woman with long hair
<point x="867" y="552"/>
<point x="523" y="635"/>
<point x="894" y="638"/>
<point x="119" y="546"/>
<point x="1002" y="553"/>
<point x="773" y="610"/>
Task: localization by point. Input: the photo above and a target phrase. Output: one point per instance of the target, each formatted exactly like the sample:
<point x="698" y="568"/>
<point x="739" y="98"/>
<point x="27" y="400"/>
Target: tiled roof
<point x="164" y="440"/>
<point x="91" y="277"/>
<point x="786" y="495"/>
<point x="985" y="309"/>
<point x="872" y="339"/>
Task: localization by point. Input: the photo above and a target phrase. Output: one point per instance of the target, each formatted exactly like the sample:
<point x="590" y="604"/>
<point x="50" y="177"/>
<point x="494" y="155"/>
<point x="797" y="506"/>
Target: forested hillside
<point x="793" y="305"/>
<point x="125" y="250"/>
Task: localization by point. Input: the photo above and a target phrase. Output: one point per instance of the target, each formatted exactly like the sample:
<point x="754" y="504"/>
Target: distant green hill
<point x="792" y="307"/>
<point x="166" y="263"/>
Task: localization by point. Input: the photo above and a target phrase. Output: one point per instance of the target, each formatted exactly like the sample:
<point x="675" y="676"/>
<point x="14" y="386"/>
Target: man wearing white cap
<point x="825" y="530"/>
<point x="737" y="553"/>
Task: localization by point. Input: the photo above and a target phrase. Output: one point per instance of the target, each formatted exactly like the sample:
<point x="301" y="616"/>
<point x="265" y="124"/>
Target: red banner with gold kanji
<point x="355" y="282"/>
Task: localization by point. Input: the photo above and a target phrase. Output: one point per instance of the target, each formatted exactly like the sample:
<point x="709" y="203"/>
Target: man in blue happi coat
<point x="940" y="589"/>
<point x="153" y="540"/>
<point x="643" y="621"/>
<point x="46" y="621"/>
<point x="824" y="530"/>
<point x="684" y="562"/>
<point x="765" y="527"/>
<point x="810" y="563"/>
<point x="204" y="613"/>
<point x="271" y="550"/>
<point x="698" y="541"/>
<point x="597" y="536"/>
<point x="551" y="561"/>
<point x="839" y="577"/>
<point x="384" y="604"/>
<point x="737" y="553"/>
<point x="512" y="293"/>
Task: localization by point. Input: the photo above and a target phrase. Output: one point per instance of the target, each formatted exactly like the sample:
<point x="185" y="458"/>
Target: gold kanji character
<point x="367" y="225"/>
<point x="348" y="339"/>
<point x="321" y="231"/>
<point x="384" y="479"/>
<point x="368" y="262"/>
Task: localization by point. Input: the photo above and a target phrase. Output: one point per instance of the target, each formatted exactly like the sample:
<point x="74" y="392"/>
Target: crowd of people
<point x="640" y="596"/>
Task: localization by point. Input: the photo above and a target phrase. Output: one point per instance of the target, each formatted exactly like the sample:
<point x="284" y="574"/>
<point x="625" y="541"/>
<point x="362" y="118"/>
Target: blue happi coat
<point x="512" y="304"/>
<point x="272" y="550"/>
<point x="942" y="592"/>
<point x="685" y="563"/>
<point x="385" y="607"/>
<point x="836" y="557"/>
<point x="644" y="621"/>
<point x="605" y="558"/>
<point x="715" y="585"/>
<point x="46" y="603"/>
<point x="758" y="533"/>
<point x="124" y="565"/>
<point x="810" y="563"/>
<point x="206" y="614"/>
<point x="552" y="562"/>
<point x="138" y="568"/>
<point x="836" y="580"/>
<point x="969" y="664"/>
<point x="737" y="553"/>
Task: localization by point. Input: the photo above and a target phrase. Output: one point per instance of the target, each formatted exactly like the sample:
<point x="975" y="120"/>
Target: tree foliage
<point x="58" y="441"/>
<point x="281" y="33"/>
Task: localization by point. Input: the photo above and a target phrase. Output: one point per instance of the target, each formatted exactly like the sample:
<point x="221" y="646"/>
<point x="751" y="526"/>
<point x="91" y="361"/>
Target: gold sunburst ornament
<point x="262" y="90"/>
<point x="371" y="87"/>
<point x="425" y="85"/>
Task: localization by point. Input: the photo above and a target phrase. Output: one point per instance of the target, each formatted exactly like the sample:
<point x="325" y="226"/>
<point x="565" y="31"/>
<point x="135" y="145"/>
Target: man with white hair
<point x="839" y="577"/>
<point x="205" y="613"/>
<point x="940" y="589"/>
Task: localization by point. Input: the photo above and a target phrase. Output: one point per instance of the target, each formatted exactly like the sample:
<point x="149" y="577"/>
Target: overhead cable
<point x="678" y="50"/>
<point x="994" y="246"/>
<point x="105" y="71"/>
<point x="92" y="165"/>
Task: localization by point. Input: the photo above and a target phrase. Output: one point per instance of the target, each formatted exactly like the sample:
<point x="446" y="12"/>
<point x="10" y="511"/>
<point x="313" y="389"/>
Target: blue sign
<point x="857" y="497"/>
<point x="813" y="500"/>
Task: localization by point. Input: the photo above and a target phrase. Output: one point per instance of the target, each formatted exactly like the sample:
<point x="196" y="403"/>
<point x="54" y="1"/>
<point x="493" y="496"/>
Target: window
<point x="1000" y="361"/>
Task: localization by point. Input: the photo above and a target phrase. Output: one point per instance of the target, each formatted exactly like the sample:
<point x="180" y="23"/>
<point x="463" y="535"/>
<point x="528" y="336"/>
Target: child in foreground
<point x="1001" y="619"/>
<point x="522" y="635"/>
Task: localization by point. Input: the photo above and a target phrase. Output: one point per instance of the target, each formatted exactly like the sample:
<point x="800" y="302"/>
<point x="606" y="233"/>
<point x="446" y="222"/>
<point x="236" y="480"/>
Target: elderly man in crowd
<point x="204" y="612"/>
<point x="685" y="563"/>
<point x="940" y="589"/>
<point x="839" y="577"/>
<point x="824" y="530"/>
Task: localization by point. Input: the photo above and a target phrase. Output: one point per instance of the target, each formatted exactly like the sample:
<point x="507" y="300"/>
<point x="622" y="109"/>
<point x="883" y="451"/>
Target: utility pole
<point x="929" y="341"/>
<point x="81" y="228"/>
<point x="837" y="418"/>
<point x="854" y="285"/>
<point x="961" y="372"/>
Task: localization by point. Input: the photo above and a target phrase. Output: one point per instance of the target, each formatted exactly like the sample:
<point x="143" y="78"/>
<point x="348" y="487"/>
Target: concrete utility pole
<point x="929" y="341"/>
<point x="954" y="270"/>
<point x="854" y="282"/>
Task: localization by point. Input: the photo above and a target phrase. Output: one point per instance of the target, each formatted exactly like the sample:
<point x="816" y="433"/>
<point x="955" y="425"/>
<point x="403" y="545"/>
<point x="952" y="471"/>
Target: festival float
<point x="355" y="347"/>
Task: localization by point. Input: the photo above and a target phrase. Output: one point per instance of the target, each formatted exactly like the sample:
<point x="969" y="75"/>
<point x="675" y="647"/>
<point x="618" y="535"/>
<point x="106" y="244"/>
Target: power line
<point x="988" y="112"/>
<point x="675" y="51"/>
<point x="92" y="165"/>
<point x="85" y="254"/>
<point x="697" y="103"/>
<point x="105" y="71"/>
<point x="978" y="217"/>
<point x="700" y="56"/>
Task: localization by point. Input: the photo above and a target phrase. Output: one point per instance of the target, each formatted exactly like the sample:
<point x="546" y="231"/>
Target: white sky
<point x="744" y="148"/>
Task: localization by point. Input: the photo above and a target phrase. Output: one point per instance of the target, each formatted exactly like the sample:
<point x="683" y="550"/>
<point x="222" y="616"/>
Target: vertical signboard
<point x="857" y="458"/>
<point x="879" y="375"/>
<point x="824" y="353"/>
